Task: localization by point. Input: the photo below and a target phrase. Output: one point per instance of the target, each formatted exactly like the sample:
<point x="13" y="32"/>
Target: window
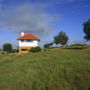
<point x="29" y="40"/>
<point x="22" y="40"/>
<point x="24" y="49"/>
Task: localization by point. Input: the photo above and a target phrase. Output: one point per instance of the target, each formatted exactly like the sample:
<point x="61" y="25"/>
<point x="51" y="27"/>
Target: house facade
<point x="27" y="41"/>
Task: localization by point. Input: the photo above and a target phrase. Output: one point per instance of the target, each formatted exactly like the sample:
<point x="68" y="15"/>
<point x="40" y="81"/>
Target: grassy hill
<point x="54" y="69"/>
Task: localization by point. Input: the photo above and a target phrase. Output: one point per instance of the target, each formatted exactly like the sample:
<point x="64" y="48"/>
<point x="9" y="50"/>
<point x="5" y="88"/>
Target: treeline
<point x="62" y="38"/>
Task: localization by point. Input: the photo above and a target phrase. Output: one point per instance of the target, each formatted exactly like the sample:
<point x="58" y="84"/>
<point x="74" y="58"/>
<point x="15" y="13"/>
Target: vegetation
<point x="54" y="69"/>
<point x="61" y="38"/>
<point x="62" y="68"/>
<point x="48" y="45"/>
<point x="76" y="46"/>
<point x="3" y="52"/>
<point x="87" y="30"/>
<point x="35" y="49"/>
<point x="7" y="47"/>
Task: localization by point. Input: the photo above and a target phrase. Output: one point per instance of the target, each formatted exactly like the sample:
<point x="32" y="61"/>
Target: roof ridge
<point x="29" y="36"/>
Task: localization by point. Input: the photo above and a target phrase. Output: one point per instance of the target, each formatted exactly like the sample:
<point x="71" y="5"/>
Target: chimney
<point x="22" y="33"/>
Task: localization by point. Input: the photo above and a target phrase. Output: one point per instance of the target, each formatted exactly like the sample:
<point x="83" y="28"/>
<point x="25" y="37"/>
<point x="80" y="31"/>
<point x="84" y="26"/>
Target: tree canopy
<point x="47" y="45"/>
<point x="7" y="47"/>
<point x="61" y="38"/>
<point x="87" y="30"/>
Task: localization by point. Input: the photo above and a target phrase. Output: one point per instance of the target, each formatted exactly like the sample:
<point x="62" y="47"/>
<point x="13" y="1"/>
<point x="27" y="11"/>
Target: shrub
<point x="35" y="49"/>
<point x="78" y="44"/>
<point x="47" y="45"/>
<point x="75" y="47"/>
<point x="3" y="52"/>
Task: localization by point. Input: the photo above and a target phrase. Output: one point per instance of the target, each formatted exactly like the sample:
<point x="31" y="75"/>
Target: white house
<point x="27" y="41"/>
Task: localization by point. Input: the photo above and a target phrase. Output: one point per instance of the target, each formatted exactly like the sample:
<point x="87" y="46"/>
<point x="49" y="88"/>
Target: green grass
<point x="54" y="69"/>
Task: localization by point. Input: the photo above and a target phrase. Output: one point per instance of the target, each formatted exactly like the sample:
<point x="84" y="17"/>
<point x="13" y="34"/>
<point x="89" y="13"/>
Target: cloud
<point x="29" y="18"/>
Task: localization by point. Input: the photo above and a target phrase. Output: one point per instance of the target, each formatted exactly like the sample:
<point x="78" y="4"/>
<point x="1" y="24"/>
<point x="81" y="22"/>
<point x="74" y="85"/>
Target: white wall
<point x="34" y="43"/>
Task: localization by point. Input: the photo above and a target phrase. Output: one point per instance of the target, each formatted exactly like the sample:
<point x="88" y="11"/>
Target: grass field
<point x="54" y="69"/>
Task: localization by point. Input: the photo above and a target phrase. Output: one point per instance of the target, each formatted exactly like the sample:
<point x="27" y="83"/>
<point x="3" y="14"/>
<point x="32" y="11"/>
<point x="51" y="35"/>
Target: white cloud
<point x="29" y="18"/>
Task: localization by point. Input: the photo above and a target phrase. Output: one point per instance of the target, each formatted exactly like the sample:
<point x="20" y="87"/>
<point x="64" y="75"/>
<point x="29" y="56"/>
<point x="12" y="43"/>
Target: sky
<point x="43" y="18"/>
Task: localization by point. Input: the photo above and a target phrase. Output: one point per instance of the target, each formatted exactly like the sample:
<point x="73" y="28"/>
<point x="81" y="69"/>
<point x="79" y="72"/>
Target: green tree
<point x="87" y="30"/>
<point x="7" y="47"/>
<point x="47" y="45"/>
<point x="61" y="38"/>
<point x="51" y="43"/>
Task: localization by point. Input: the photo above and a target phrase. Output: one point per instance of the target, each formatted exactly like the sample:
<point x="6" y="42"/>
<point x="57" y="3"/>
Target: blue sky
<point x="44" y="18"/>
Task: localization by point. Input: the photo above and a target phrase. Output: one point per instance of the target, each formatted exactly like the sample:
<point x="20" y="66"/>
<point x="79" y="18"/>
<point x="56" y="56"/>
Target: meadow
<point x="53" y="69"/>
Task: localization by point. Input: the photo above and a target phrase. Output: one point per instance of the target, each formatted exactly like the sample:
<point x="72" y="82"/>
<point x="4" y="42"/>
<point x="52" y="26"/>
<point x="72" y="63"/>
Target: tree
<point x="47" y="45"/>
<point x="61" y="38"/>
<point x="87" y="30"/>
<point x="7" y="47"/>
<point x="51" y="43"/>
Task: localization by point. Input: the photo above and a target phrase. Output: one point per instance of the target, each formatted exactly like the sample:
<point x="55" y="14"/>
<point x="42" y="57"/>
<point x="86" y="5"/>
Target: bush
<point x="78" y="44"/>
<point x="35" y="49"/>
<point x="75" y="47"/>
<point x="3" y="52"/>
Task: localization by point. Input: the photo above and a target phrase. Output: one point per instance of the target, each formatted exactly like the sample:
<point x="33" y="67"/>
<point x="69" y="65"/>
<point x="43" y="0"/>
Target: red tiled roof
<point x="28" y="36"/>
